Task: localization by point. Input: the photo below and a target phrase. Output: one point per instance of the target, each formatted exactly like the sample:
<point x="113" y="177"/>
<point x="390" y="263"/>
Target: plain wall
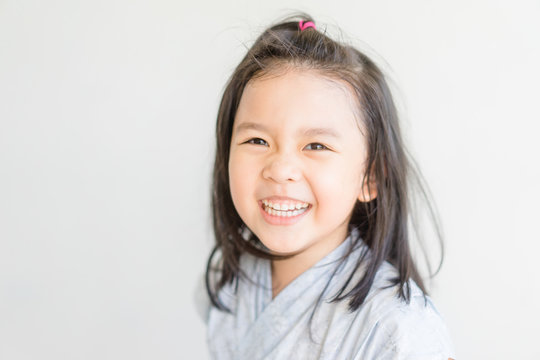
<point x="107" y="115"/>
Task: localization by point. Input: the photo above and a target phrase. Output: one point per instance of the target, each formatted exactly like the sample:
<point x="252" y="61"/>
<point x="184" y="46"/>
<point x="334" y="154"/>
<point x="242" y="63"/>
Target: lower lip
<point x="281" y="220"/>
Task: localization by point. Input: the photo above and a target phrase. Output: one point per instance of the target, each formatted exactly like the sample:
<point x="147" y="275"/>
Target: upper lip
<point x="282" y="198"/>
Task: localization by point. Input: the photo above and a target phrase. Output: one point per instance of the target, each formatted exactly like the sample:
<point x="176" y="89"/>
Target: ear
<point x="369" y="190"/>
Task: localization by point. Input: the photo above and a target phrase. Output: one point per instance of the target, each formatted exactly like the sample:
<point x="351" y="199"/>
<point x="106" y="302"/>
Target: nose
<point x="282" y="168"/>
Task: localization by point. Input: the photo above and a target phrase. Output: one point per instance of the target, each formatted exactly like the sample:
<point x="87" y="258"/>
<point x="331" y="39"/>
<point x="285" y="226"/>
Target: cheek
<point x="337" y="188"/>
<point x="240" y="180"/>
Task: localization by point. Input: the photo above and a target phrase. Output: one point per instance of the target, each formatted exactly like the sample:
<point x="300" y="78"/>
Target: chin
<point x="282" y="246"/>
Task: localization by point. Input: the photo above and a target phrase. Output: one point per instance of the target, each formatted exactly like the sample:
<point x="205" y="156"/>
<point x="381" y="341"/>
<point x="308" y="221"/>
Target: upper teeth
<point x="285" y="206"/>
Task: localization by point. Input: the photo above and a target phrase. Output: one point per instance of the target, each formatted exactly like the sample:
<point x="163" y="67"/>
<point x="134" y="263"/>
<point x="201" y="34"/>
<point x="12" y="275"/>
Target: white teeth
<point x="288" y="213"/>
<point x="285" y="207"/>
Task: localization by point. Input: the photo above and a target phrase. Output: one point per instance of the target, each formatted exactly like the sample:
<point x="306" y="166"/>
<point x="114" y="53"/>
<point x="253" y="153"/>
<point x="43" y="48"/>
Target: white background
<point x="107" y="115"/>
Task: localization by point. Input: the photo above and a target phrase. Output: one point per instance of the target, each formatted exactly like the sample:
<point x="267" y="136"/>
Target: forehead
<point x="298" y="98"/>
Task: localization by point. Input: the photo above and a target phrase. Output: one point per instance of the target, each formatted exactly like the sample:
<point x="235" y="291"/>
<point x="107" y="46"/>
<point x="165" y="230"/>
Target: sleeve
<point x="413" y="331"/>
<point x="201" y="300"/>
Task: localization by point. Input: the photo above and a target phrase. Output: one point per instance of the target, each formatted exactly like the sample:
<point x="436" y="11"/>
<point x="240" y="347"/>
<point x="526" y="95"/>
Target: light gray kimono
<point x="384" y="327"/>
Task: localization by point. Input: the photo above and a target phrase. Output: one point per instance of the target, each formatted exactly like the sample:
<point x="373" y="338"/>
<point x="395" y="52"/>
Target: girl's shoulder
<point x="249" y="264"/>
<point x="201" y="301"/>
<point x="412" y="329"/>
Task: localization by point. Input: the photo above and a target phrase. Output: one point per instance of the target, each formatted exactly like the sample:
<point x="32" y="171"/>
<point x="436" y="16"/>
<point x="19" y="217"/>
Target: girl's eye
<point x="257" y="141"/>
<point x="316" y="146"/>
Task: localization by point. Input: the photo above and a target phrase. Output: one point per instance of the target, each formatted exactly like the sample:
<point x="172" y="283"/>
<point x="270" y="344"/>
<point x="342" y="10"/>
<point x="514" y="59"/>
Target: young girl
<point x="311" y="206"/>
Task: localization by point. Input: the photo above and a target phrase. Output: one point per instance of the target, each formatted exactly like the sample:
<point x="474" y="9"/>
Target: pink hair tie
<point x="303" y="26"/>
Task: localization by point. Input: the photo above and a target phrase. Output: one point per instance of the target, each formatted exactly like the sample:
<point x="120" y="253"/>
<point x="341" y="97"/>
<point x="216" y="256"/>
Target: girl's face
<point x="297" y="162"/>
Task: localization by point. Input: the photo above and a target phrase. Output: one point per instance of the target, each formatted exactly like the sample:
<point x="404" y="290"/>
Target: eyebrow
<point x="306" y="132"/>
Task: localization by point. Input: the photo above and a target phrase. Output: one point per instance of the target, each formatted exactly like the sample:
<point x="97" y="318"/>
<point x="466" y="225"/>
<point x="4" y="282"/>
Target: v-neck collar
<point x="308" y="278"/>
<point x="271" y="319"/>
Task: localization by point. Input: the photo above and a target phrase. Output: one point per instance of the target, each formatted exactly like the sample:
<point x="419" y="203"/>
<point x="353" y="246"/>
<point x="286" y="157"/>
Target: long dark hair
<point x="384" y="223"/>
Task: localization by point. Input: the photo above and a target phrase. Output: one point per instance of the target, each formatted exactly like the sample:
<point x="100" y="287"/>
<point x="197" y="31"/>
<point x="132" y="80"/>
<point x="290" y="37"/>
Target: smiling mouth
<point x="285" y="210"/>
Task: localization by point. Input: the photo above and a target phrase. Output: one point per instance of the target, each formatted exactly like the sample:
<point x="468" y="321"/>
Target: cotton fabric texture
<point x="384" y="327"/>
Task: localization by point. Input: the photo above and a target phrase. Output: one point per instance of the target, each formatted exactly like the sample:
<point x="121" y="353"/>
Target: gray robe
<point x="384" y="327"/>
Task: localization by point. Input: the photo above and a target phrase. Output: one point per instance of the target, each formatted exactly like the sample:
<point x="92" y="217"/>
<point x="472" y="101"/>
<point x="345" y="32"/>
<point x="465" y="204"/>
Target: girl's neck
<point x="285" y="271"/>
